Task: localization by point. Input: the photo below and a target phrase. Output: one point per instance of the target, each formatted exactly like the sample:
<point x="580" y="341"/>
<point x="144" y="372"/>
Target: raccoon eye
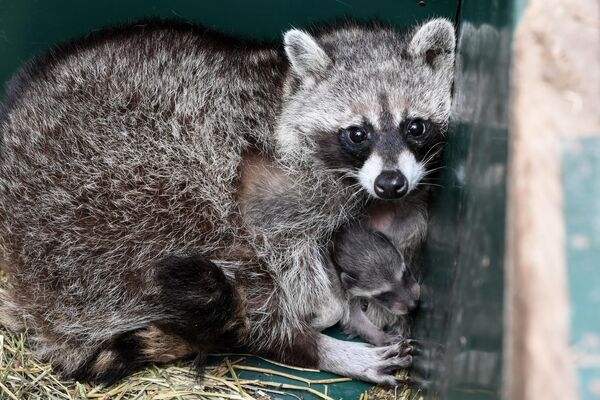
<point x="416" y="128"/>
<point x="364" y="305"/>
<point x="357" y="135"/>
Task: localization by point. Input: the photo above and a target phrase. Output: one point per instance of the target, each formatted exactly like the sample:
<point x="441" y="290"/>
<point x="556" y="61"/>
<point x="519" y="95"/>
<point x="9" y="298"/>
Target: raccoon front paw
<point x="391" y="359"/>
<point x="395" y="356"/>
<point x="375" y="364"/>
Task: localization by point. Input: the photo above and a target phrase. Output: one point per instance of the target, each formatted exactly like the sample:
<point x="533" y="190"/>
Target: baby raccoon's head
<point x="370" y="267"/>
<point x="397" y="291"/>
<point x="368" y="102"/>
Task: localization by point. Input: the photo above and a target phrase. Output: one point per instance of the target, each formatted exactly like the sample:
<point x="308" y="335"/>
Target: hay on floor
<point x="24" y="377"/>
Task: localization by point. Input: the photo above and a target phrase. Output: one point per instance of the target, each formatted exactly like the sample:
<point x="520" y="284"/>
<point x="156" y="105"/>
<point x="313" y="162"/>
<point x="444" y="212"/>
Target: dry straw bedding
<point x="24" y="377"/>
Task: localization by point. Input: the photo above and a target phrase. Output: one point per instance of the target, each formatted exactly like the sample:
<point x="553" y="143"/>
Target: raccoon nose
<point x="412" y="305"/>
<point x="391" y="185"/>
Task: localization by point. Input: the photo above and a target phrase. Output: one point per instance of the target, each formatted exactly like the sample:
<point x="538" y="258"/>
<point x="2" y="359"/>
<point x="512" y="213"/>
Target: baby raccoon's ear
<point x="434" y="43"/>
<point x="309" y="61"/>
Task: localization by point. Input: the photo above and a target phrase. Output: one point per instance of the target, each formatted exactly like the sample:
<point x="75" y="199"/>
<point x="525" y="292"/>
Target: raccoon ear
<point x="309" y="61"/>
<point x="434" y="43"/>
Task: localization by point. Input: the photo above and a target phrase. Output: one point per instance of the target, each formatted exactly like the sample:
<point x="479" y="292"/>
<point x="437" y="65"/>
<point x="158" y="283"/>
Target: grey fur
<point x="156" y="140"/>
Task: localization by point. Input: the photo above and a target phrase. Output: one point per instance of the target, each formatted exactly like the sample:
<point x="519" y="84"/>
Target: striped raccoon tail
<point x="203" y="312"/>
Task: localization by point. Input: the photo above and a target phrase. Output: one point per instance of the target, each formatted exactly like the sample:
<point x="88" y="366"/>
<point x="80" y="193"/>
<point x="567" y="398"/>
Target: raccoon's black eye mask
<point x="356" y="142"/>
<point x="346" y="148"/>
<point x="420" y="135"/>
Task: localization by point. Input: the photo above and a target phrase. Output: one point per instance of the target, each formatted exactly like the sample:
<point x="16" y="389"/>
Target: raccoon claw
<point x="406" y="382"/>
<point x="394" y="357"/>
<point x="411" y="346"/>
<point x="393" y="339"/>
<point x="402" y="347"/>
<point x="397" y="363"/>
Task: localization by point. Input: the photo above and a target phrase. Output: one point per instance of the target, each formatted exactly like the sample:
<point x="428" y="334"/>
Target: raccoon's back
<point x="125" y="146"/>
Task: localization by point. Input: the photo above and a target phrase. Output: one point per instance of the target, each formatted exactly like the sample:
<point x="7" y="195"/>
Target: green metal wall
<point x="462" y="310"/>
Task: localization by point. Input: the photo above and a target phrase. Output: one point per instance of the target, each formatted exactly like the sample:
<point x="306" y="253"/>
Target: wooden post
<point x="556" y="94"/>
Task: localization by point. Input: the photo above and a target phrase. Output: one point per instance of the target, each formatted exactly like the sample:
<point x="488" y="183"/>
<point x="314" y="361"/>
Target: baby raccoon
<point x="372" y="271"/>
<point x="138" y="157"/>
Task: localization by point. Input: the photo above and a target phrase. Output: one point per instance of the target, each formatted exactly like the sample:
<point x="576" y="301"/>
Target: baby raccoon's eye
<point x="384" y="296"/>
<point x="357" y="135"/>
<point x="364" y="305"/>
<point x="417" y="128"/>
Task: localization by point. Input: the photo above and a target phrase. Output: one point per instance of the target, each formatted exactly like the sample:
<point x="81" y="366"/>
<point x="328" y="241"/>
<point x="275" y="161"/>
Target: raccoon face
<point x="398" y="303"/>
<point x="371" y="268"/>
<point x="392" y="162"/>
<point x="403" y="296"/>
<point x="399" y="294"/>
<point x="369" y="103"/>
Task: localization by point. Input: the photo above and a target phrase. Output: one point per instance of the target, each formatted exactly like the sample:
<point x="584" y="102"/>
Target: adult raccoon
<point x="163" y="186"/>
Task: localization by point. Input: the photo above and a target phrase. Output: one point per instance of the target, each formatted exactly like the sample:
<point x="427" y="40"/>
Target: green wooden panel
<point x="462" y="314"/>
<point x="30" y="26"/>
<point x="581" y="180"/>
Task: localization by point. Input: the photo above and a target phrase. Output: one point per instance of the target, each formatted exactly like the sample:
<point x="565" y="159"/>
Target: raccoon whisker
<point x="429" y="184"/>
<point x="432" y="156"/>
<point x="354" y="194"/>
<point x="437" y="168"/>
<point x="431" y="171"/>
<point x="355" y="185"/>
<point x="337" y="169"/>
<point x="345" y="173"/>
<point x="426" y="162"/>
<point x="354" y="176"/>
<point x="440" y="143"/>
<point x="438" y="147"/>
<point x="344" y="170"/>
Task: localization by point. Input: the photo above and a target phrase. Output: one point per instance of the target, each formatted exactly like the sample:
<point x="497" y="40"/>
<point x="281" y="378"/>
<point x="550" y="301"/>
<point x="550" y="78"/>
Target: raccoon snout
<point x="391" y="185"/>
<point x="403" y="308"/>
<point x="412" y="305"/>
<point x="415" y="291"/>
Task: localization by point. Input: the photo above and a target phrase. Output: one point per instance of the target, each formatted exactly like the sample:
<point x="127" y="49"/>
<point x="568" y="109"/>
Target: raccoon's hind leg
<point x="202" y="312"/>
